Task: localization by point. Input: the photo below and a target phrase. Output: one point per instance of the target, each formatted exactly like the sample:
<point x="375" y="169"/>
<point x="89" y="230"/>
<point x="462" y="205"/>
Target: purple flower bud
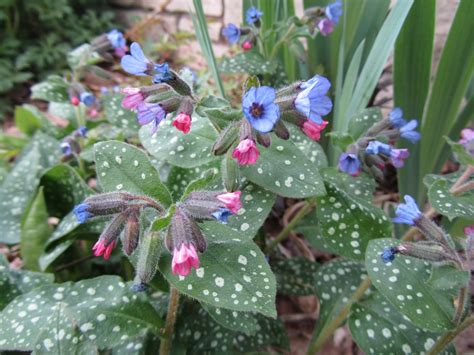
<point x="388" y="254"/>
<point x="87" y="98"/>
<point x="408" y="212"/>
<point x="398" y="156"/>
<point x="82" y="131"/>
<point x="396" y="118"/>
<point x="325" y="26"/>
<point x="334" y="11"/>
<point x="376" y="147"/>
<point x="150" y="113"/>
<point x="222" y="215"/>
<point x="350" y="164"/>
<point x="66" y="148"/>
<point x="81" y="212"/>
<point x="253" y="15"/>
<point x="116" y="39"/>
<point x="231" y="33"/>
<point x="162" y="73"/>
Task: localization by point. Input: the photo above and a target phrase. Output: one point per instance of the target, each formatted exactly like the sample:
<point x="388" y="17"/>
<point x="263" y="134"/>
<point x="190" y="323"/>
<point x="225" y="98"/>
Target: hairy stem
<point x="448" y="337"/>
<point x="318" y="342"/>
<point x="165" y="345"/>
<point x="287" y="230"/>
<point x="461" y="301"/>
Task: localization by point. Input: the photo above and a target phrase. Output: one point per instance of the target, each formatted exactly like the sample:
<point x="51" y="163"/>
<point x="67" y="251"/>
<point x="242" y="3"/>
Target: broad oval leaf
<point x="123" y="167"/>
<point x="233" y="274"/>
<point x="184" y="150"/>
<point x="245" y="322"/>
<point x="405" y="283"/>
<point x="283" y="169"/>
<point x="52" y="89"/>
<point x="448" y="204"/>
<point x="117" y="115"/>
<point x="296" y="276"/>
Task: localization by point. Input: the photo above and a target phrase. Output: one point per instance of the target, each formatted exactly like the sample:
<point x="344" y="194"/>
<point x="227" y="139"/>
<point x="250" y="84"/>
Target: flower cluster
<point x="110" y="42"/>
<point x="169" y="93"/>
<point x="375" y="148"/>
<point x="184" y="238"/>
<point x="324" y="19"/>
<point x="265" y="110"/>
<point x="467" y="140"/>
<point x="246" y="34"/>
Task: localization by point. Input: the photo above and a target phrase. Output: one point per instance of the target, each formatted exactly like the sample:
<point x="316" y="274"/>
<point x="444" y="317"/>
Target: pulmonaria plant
<point x="376" y="148"/>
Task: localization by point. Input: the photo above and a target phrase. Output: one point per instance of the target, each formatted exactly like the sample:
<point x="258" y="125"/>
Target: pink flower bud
<point x="469" y="230"/>
<point x="313" y="130"/>
<point x="93" y="113"/>
<point x="100" y="249"/>
<point x="246" y="152"/>
<point x="247" y="45"/>
<point x="75" y="100"/>
<point x="467" y="135"/>
<point x="183" y="123"/>
<point x="231" y="201"/>
<point x="133" y="98"/>
<point x="184" y="258"/>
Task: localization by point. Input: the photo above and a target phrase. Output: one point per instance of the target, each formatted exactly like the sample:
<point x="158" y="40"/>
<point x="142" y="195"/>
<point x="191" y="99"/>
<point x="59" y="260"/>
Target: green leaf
<point x="29" y="119"/>
<point x="378" y="328"/>
<point x="63" y="110"/>
<point x="362" y="186"/>
<point x="405" y="283"/>
<point x="233" y="274"/>
<point x="461" y="152"/>
<point x="187" y="151"/>
<point x="200" y="183"/>
<point x="455" y="70"/>
<point x="180" y="178"/>
<point x="123" y="167"/>
<point x="336" y="282"/>
<point x="245" y="322"/>
<point x="63" y="189"/>
<point x="15" y="282"/>
<point x="82" y="56"/>
<point x="35" y="230"/>
<point x="53" y="89"/>
<point x="283" y="169"/>
<point x="117" y="115"/>
<point x="296" y="276"/>
<point x="202" y="334"/>
<point x="362" y="121"/>
<point x="98" y="313"/>
<point x="448" y="204"/>
<point x="313" y="150"/>
<point x="20" y="184"/>
<point x="252" y="63"/>
<point x="411" y="80"/>
<point x="448" y="277"/>
<point x="346" y="223"/>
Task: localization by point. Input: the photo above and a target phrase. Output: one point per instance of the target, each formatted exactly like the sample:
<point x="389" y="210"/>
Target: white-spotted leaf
<point x="62" y="318"/>
<point x="296" y="276"/>
<point x="233" y="274"/>
<point x="184" y="150"/>
<point x="123" y="167"/>
<point x="362" y="121"/>
<point x="117" y="115"/>
<point x="448" y="204"/>
<point x="283" y="169"/>
<point x="52" y="89"/>
<point x="405" y="283"/>
<point x="245" y="322"/>
<point x="378" y="328"/>
<point x="310" y="148"/>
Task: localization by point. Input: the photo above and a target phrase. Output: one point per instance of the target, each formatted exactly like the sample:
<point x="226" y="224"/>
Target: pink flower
<point x="467" y="135"/>
<point x="398" y="156"/>
<point x="247" y="45"/>
<point x="100" y="249"/>
<point x="183" y="122"/>
<point x="75" y="100"/>
<point x="231" y="201"/>
<point x="133" y="98"/>
<point x="246" y="152"/>
<point x="325" y="26"/>
<point x="184" y="259"/>
<point x="313" y="130"/>
<point x="469" y="230"/>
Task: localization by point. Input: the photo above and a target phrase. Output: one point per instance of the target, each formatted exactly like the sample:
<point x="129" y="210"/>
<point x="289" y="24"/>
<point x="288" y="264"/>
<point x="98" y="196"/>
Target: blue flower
<point x="312" y="101"/>
<point x="66" y="148"/>
<point x="334" y="11"/>
<point x="253" y="14"/>
<point x="260" y="109"/>
<point x="231" y="33"/>
<point x="376" y="147"/>
<point x="150" y="113"/>
<point x="222" y="215"/>
<point x="116" y="38"/>
<point x="87" y="98"/>
<point x="408" y="131"/>
<point x="396" y="118"/>
<point x="82" y="131"/>
<point x="349" y="163"/>
<point x="408" y="212"/>
<point x="81" y="213"/>
<point x="135" y="63"/>
<point x="388" y="254"/>
<point x="162" y="73"/>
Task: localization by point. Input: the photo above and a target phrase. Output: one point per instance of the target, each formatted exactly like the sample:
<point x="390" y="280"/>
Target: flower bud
<point x="75" y="101"/>
<point x="230" y="173"/>
<point x="101" y="205"/>
<point x="247" y="45"/>
<point x="108" y="238"/>
<point x="179" y="85"/>
<point x="433" y="252"/>
<point x="183" y="229"/>
<point x="281" y="131"/>
<point x="226" y="138"/>
<point x="131" y="234"/>
<point x="148" y="257"/>
<point x="432" y="231"/>
<point x="201" y="207"/>
<point x="182" y="122"/>
<point x="264" y="139"/>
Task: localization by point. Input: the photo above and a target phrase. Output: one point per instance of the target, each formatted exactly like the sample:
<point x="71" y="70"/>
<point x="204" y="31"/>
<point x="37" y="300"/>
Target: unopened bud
<point x="245" y="130"/>
<point x="230" y="172"/>
<point x="113" y="229"/>
<point x="432" y="231"/>
<point x="179" y="85"/>
<point x="106" y="204"/>
<point x="286" y="93"/>
<point x="286" y="103"/>
<point x="149" y="255"/>
<point x="226" y="138"/>
<point x="201" y="204"/>
<point x="247" y="45"/>
<point x="171" y="104"/>
<point x="131" y="232"/>
<point x="264" y="139"/>
<point x="433" y="252"/>
<point x="281" y="131"/>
